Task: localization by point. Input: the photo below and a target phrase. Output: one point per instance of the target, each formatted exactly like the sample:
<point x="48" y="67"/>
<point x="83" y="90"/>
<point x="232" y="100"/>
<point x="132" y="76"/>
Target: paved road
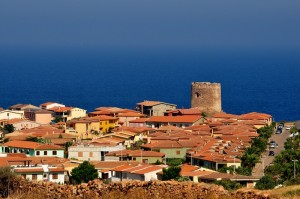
<point x="265" y="160"/>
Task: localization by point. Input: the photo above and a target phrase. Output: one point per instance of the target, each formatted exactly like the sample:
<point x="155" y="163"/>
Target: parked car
<point x="278" y="131"/>
<point x="271" y="153"/>
<point x="272" y="144"/>
<point x="288" y="128"/>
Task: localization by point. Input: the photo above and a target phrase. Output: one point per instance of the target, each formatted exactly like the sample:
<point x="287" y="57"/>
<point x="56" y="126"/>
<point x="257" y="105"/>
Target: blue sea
<point x="262" y="80"/>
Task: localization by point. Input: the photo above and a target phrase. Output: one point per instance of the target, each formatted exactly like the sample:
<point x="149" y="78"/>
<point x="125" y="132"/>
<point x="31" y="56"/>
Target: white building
<point x="92" y="151"/>
<point x="42" y="173"/>
<point x="144" y="172"/>
<point x="49" y="105"/>
<point x="9" y="114"/>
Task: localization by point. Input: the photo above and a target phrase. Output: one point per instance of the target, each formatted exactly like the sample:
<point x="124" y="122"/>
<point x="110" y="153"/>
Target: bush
<point x="158" y="162"/>
<point x="183" y="179"/>
<point x="174" y="161"/>
<point x="266" y="182"/>
<point x="228" y="185"/>
<point x="171" y="173"/>
<point x="293" y="181"/>
<point x="6" y="177"/>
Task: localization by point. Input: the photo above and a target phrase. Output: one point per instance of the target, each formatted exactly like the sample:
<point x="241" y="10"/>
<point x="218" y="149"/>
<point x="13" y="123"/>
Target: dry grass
<point x="289" y="192"/>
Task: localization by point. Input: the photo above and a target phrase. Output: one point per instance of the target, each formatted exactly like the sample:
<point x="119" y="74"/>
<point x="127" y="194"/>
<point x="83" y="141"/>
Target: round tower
<point x="206" y="96"/>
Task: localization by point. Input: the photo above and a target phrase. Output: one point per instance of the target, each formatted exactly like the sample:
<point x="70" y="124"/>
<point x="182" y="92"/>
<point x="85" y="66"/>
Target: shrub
<point x="266" y="182"/>
<point x="228" y="184"/>
<point x="174" y="161"/>
<point x="171" y="173"/>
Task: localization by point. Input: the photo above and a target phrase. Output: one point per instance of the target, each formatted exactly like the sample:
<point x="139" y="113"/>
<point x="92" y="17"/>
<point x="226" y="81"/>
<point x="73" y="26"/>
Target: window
<point x="145" y="161"/>
<point x="80" y="154"/>
<point x="54" y="176"/>
<point x="34" y="176"/>
<point x="91" y="154"/>
<point x="37" y="152"/>
<point x="197" y="95"/>
<point x="24" y="176"/>
<point x="45" y="152"/>
<point x="54" y="152"/>
<point x="178" y="152"/>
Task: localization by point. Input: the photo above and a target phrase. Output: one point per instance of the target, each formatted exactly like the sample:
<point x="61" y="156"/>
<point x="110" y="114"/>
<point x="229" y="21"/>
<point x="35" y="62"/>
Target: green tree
<point x="293" y="130"/>
<point x="57" y="119"/>
<point x="84" y="173"/>
<point x="249" y="159"/>
<point x="32" y="139"/>
<point x="266" y="182"/>
<point x="67" y="145"/>
<point x="171" y="173"/>
<point x="9" y="128"/>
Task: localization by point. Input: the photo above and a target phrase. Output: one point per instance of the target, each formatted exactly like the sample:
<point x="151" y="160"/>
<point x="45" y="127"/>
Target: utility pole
<point x="263" y="166"/>
<point x="234" y="165"/>
<point x="295" y="167"/>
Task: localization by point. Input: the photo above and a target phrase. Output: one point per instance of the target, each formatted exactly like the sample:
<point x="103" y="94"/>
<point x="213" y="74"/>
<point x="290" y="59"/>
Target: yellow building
<point x="107" y="123"/>
<point x="90" y="127"/>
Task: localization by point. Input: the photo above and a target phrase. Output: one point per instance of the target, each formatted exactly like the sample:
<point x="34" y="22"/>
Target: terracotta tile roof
<point x="18" y="106"/>
<point x="15" y="121"/>
<point x="199" y="128"/>
<point x="197" y="173"/>
<point x="175" y="119"/>
<point x="17" y="155"/>
<point x="49" y="147"/>
<point x="254" y="116"/>
<point x="121" y="168"/>
<point x="224" y="115"/>
<point x="56" y="169"/>
<point x="59" y="109"/>
<point x="48" y="160"/>
<point x="4" y="162"/>
<point x="31" y="145"/>
<point x="29" y="170"/>
<point x="169" y="128"/>
<point x="225" y="176"/>
<point x="112" y="164"/>
<point x="47" y="103"/>
<point x="140" y="120"/>
<point x="188" y="168"/>
<point x="135" y="153"/>
<point x="251" y="122"/>
<point x="163" y="144"/>
<point x="148" y="169"/>
<point x="190" y="111"/>
<point x="138" y="169"/>
<point x="131" y="114"/>
<point x="149" y="103"/>
<point x="104" y="117"/>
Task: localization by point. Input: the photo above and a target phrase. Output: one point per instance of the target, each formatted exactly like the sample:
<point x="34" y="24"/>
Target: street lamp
<point x="295" y="167"/>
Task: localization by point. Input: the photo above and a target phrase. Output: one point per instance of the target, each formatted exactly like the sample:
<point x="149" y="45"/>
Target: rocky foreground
<point x="130" y="189"/>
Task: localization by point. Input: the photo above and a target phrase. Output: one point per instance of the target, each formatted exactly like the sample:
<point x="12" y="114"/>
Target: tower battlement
<point x="206" y="96"/>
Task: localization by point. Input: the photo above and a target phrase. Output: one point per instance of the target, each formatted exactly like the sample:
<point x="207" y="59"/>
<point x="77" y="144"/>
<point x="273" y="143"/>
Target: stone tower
<point x="206" y="96"/>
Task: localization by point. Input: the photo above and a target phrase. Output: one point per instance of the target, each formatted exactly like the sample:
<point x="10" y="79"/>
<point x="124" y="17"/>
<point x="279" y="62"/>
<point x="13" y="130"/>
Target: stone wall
<point x="206" y="96"/>
<point x="129" y="189"/>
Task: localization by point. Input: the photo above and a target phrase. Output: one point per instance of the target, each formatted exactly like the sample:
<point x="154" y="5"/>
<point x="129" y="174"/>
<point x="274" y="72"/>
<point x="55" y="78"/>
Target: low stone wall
<point x="129" y="189"/>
